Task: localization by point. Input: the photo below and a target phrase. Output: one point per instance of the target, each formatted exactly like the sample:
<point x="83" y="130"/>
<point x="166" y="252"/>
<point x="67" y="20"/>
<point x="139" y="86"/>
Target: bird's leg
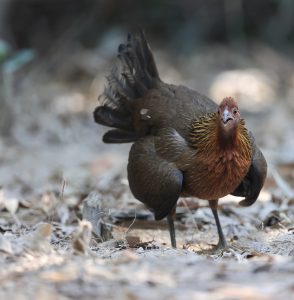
<point x="222" y="243"/>
<point x="171" y="226"/>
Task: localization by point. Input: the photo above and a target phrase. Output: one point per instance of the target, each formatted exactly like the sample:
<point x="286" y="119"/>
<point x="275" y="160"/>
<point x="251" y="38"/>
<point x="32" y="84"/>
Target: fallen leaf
<point x="10" y="201"/>
<point x="93" y="213"/>
<point x="81" y="237"/>
<point x="5" y="245"/>
<point x="39" y="240"/>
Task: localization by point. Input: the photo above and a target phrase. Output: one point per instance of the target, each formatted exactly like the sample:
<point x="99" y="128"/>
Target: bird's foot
<point x="222" y="245"/>
<point x="223" y="250"/>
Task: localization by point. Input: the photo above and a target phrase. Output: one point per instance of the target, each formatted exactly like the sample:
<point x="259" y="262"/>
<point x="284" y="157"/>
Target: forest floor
<point x="55" y="171"/>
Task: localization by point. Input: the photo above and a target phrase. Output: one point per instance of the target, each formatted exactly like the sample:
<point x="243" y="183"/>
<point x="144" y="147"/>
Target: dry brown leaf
<point x="81" y="237"/>
<point x="133" y="240"/>
<point x="44" y="230"/>
<point x="48" y="202"/>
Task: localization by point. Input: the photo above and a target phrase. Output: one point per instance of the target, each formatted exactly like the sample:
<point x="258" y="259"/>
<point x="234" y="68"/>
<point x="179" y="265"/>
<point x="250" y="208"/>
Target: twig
<point x="62" y="190"/>
<point x="189" y="211"/>
<point x="129" y="228"/>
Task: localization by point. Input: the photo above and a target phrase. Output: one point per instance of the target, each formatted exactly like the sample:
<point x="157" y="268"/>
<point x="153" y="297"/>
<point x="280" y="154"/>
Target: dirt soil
<point x="70" y="228"/>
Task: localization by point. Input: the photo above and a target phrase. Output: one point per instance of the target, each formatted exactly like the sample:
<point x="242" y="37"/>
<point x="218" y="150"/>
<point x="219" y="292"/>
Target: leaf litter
<point x="70" y="228"/>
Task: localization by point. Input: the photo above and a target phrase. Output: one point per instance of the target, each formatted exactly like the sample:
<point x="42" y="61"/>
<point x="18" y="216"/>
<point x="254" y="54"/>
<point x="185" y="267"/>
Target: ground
<point x="55" y="172"/>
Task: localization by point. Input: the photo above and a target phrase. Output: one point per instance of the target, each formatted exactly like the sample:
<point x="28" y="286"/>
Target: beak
<point x="226" y="116"/>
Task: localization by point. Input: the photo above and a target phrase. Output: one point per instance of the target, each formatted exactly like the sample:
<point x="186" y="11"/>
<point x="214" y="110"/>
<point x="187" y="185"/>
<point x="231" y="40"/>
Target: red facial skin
<point x="229" y="116"/>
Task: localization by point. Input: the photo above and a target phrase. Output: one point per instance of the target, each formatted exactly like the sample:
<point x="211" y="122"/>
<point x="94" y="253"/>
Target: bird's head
<point x="228" y="116"/>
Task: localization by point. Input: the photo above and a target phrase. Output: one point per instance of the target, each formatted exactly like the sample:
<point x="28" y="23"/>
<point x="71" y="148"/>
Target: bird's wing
<point x="253" y="182"/>
<point x="152" y="179"/>
<point x="173" y="147"/>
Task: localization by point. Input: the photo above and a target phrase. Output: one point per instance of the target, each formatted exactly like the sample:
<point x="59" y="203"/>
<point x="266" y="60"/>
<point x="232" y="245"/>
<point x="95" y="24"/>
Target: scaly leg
<point x="171" y="226"/>
<point x="222" y="243"/>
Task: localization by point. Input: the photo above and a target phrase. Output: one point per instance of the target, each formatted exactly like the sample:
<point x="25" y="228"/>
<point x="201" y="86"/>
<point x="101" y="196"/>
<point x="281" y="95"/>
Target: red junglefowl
<point x="184" y="143"/>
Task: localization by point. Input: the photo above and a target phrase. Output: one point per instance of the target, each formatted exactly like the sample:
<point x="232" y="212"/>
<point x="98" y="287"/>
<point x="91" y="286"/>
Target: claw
<point x="230" y="251"/>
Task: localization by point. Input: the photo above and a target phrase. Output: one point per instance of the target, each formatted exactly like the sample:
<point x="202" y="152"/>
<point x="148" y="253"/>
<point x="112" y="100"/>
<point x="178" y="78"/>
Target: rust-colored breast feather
<point x="217" y="169"/>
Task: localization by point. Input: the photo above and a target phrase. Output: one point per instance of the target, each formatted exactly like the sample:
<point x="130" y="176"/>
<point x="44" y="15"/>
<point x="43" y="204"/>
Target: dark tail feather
<point x="117" y="136"/>
<point x="109" y="117"/>
<point x="128" y="81"/>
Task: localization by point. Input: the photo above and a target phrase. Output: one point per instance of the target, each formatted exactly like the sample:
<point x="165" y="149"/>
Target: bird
<point x="183" y="143"/>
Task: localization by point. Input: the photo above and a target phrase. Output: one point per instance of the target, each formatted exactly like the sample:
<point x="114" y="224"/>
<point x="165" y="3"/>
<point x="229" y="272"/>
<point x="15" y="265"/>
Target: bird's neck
<point x="227" y="140"/>
<point x="206" y="135"/>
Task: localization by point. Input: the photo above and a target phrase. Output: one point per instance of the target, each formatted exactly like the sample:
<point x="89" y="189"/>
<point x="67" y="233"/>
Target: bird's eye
<point x="235" y="111"/>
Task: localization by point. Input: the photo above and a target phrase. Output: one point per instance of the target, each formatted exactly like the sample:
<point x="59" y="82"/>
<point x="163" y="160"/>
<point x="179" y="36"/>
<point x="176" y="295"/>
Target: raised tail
<point x="128" y="81"/>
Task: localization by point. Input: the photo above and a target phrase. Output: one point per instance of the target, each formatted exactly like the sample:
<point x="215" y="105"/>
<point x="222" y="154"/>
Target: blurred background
<point x="54" y="56"/>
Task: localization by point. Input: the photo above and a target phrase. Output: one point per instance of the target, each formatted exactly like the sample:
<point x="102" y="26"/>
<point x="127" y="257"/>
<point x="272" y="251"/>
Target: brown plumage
<point x="184" y="144"/>
<point x="227" y="163"/>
